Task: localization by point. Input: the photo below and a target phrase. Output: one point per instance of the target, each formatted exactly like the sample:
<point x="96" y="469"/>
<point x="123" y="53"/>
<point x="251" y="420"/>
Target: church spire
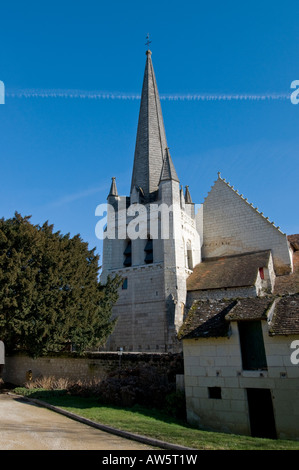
<point x="151" y="138"/>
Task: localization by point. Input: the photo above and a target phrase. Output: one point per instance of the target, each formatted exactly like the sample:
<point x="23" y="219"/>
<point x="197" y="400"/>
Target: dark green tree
<point x="50" y="294"/>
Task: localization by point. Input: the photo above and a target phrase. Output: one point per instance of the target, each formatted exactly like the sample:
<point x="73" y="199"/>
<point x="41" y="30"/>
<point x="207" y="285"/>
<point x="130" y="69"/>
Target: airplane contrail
<point x="102" y="95"/>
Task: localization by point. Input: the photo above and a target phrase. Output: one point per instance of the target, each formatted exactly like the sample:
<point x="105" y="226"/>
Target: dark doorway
<point x="261" y="415"/>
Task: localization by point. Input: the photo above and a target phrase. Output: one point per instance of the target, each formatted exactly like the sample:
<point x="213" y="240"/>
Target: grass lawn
<point x="155" y="424"/>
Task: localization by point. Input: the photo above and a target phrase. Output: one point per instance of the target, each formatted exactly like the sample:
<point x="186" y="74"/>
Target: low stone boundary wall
<point x="91" y="366"/>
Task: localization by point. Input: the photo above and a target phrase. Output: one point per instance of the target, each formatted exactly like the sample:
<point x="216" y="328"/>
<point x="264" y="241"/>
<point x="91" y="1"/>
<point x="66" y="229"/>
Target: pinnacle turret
<point x="113" y="188"/>
<point x="188" y="199"/>
<point x="168" y="171"/>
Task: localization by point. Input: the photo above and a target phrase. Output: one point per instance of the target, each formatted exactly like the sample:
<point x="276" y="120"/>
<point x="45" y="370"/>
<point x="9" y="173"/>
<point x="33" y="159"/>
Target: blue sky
<point x="59" y="147"/>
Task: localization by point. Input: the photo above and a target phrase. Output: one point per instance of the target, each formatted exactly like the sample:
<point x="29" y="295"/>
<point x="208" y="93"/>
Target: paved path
<point x="27" y="426"/>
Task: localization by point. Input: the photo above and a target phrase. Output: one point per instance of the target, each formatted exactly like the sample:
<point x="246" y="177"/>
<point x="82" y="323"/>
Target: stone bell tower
<point x="152" y="238"/>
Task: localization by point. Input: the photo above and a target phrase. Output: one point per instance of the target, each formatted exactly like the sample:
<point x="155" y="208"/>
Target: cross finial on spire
<point x="147" y="40"/>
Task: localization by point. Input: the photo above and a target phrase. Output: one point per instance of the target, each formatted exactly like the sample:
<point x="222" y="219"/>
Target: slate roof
<point x="151" y="138"/>
<point x="250" y="309"/>
<point x="228" y="271"/>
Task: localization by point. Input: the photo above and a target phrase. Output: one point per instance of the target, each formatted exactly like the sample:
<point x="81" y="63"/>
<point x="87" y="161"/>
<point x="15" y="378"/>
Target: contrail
<point x="102" y="95"/>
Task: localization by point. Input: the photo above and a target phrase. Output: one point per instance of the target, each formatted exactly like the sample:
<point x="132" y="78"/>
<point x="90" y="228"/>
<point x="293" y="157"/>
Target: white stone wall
<point x="231" y="225"/>
<point x="216" y="362"/>
<point x="140" y="309"/>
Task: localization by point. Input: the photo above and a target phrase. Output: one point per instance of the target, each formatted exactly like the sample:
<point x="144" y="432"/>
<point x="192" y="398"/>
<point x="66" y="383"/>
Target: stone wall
<point x="141" y="311"/>
<point x="91" y="366"/>
<point x="216" y="362"/>
<point x="218" y="294"/>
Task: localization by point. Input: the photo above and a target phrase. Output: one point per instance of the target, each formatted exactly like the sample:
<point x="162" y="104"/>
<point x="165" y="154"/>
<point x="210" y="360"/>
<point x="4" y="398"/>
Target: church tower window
<point x="128" y="254"/>
<point x="149" y="254"/>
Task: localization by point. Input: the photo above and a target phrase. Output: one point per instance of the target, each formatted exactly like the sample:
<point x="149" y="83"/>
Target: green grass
<point x="156" y="424"/>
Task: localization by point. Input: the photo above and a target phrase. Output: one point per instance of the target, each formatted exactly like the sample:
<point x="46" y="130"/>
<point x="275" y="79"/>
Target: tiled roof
<point x="250" y="309"/>
<point x="285" y="320"/>
<point x="211" y="318"/>
<point x="294" y="241"/>
<point x="228" y="271"/>
<point x="289" y="283"/>
<point x="206" y="319"/>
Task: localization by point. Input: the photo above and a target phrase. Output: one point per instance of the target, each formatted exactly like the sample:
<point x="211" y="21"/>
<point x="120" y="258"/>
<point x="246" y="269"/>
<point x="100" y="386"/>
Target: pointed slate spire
<point x="151" y="138"/>
<point x="113" y="188"/>
<point x="188" y="199"/>
<point x="168" y="171"/>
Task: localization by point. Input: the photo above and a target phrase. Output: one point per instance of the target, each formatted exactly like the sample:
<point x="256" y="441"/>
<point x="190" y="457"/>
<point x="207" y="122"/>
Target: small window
<point x="261" y="271"/>
<point x="214" y="392"/>
<point x="125" y="284"/>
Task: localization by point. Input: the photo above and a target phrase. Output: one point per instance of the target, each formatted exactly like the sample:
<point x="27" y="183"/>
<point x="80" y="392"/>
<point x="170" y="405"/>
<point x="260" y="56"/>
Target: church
<point x="171" y="252"/>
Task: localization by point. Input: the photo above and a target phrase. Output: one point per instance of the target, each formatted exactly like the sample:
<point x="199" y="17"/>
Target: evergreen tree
<point x="50" y="295"/>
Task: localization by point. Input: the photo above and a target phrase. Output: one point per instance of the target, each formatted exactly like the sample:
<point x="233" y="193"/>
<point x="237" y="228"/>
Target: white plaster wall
<point x="217" y="362"/>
